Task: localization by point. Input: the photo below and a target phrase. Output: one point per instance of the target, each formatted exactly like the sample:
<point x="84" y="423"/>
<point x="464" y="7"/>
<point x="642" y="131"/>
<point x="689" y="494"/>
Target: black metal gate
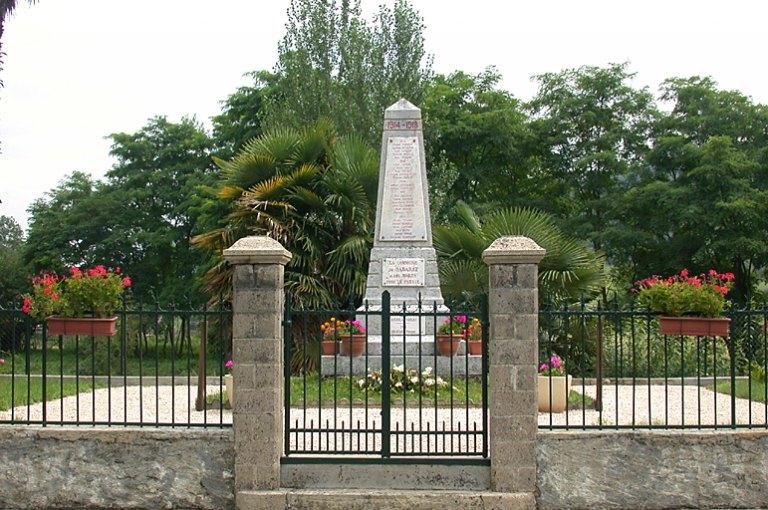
<point x="340" y="402"/>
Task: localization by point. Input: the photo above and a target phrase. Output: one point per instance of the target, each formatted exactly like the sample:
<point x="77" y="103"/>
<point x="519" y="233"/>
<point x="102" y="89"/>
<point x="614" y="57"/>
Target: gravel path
<point x="147" y="405"/>
<point x="674" y="405"/>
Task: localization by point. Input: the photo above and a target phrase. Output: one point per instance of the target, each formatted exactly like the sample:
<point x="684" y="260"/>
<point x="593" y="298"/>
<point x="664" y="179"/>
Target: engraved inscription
<point x="403" y="207"/>
<point x="411" y="326"/>
<point x="403" y="273"/>
<point x="402" y="125"/>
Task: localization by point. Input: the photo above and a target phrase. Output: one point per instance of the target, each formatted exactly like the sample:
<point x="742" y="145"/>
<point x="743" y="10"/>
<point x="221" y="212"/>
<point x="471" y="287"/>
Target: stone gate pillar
<point x="513" y="349"/>
<point x="257" y="351"/>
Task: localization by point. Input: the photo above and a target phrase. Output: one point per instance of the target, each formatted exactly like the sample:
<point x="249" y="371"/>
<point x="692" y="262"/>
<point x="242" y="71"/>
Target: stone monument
<point x="403" y="260"/>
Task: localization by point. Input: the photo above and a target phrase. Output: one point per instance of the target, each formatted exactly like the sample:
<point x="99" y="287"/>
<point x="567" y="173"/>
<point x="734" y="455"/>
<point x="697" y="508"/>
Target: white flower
<point x="427" y="371"/>
<point x="398" y="368"/>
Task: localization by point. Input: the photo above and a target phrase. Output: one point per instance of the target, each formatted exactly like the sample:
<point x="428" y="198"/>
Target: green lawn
<point x="35" y="387"/>
<point x="463" y="389"/>
<point x="743" y="389"/>
<point x="94" y="359"/>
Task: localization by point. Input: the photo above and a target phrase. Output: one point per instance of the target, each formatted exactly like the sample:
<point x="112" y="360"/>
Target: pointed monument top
<point x="403" y="109"/>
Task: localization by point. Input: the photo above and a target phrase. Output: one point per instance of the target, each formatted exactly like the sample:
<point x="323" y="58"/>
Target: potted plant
<point x="449" y="335"/>
<point x="351" y="336"/>
<point x="690" y="305"/>
<point x="475" y="337"/>
<point x="329" y="345"/>
<point x="554" y="385"/>
<point x="64" y="301"/>
<point x="229" y="382"/>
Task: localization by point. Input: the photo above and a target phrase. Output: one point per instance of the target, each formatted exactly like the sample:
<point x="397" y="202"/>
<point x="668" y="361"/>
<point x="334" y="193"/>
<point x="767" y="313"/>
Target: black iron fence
<point x="163" y="367"/>
<point x="396" y="389"/>
<point x="622" y="372"/>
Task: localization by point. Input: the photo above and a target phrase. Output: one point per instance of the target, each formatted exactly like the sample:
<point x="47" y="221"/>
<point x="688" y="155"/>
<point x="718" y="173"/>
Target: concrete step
<point x="459" y="365"/>
<point x="365" y="499"/>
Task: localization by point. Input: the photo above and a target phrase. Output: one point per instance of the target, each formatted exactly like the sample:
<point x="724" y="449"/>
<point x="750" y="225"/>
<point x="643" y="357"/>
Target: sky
<point x="79" y="70"/>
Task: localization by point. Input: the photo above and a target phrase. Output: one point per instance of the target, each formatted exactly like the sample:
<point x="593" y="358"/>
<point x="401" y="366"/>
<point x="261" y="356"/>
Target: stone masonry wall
<point x="652" y="470"/>
<point x="128" y="468"/>
<point x="152" y="469"/>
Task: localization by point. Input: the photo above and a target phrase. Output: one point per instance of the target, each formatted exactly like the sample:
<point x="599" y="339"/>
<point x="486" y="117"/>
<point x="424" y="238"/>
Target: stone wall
<point x="151" y="469"/>
<point x="114" y="468"/>
<point x="652" y="470"/>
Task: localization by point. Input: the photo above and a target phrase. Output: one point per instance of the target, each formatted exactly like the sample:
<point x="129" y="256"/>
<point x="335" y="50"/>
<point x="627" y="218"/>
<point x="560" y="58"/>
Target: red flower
<point x="721" y="289"/>
<point x="47" y="291"/>
<point x="26" y="306"/>
<point x="97" y="271"/>
<point x="55" y="296"/>
<point x="117" y="270"/>
<point x="127" y="281"/>
<point x="684" y="273"/>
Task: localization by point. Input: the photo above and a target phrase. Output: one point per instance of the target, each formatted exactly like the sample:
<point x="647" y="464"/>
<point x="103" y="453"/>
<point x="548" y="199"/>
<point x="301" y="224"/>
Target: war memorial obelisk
<point x="403" y="260"/>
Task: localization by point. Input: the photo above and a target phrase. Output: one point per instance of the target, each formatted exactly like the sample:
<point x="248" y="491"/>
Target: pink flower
<point x="543" y="367"/>
<point x="461" y="319"/>
<point x="2" y="361"/>
<point x="684" y="273"/>
<point x="127" y="281"/>
<point x="555" y="361"/>
<point x="229" y="364"/>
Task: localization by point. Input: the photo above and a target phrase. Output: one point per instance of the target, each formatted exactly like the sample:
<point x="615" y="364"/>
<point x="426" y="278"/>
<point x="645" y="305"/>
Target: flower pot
<point x="475" y="347"/>
<point x="446" y="345"/>
<point x="229" y="384"/>
<point x="561" y="388"/>
<point x="87" y="326"/>
<point x="328" y="347"/>
<point x="353" y="346"/>
<point x="695" y="326"/>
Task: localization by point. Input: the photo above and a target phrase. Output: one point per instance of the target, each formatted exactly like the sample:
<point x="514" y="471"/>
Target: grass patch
<point x="344" y="390"/>
<point x="757" y="393"/>
<point x="18" y="390"/>
<point x="578" y="400"/>
<point x="85" y="357"/>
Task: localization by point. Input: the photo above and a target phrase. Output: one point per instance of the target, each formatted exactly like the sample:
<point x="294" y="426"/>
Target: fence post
<point x="257" y="351"/>
<point x="513" y="356"/>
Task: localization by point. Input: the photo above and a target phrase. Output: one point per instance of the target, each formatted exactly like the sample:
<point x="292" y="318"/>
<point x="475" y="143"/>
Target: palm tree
<point x="313" y="191"/>
<point x="568" y="270"/>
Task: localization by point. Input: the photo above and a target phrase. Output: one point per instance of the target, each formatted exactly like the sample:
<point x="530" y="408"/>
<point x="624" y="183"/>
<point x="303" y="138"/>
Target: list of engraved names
<point x="403" y="214"/>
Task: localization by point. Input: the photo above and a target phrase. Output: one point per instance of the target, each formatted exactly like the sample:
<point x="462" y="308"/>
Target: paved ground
<point x="674" y="405"/>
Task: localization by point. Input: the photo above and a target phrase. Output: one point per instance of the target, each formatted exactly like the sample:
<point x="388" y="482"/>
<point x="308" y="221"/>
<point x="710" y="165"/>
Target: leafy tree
<point x="13" y="270"/>
<point x="241" y="117"/>
<point x="477" y="143"/>
<point x="313" y="191"/>
<point x="703" y="200"/>
<point x="141" y="219"/>
<point x="567" y="271"/>
<point x="593" y="128"/>
<point x="65" y="227"/>
<point x="155" y="182"/>
<point x="334" y="64"/>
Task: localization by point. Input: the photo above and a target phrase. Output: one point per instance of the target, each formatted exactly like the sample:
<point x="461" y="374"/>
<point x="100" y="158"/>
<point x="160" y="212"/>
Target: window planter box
<point x="86" y="326"/>
<point x="554" y="400"/>
<point x="695" y="326"/>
